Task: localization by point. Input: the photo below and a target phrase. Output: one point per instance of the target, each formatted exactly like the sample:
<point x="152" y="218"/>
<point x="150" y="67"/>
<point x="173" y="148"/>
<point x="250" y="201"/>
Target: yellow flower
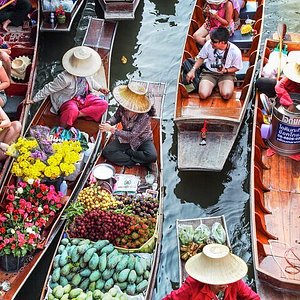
<point x="246" y="28"/>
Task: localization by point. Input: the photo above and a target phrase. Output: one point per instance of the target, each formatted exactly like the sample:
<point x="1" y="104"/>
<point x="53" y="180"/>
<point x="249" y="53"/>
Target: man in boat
<point x="220" y="60"/>
<point x="14" y="13"/>
<point x="290" y="83"/>
<point x="214" y="274"/>
<point x="133" y="143"/>
<point x="75" y="93"/>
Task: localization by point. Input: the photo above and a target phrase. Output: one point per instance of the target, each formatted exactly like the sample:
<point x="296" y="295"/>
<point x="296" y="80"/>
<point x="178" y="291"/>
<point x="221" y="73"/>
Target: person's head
<point x="133" y="97"/>
<point x="292" y="70"/>
<point x="219" y="38"/>
<point x="81" y="61"/>
<point x="216" y="266"/>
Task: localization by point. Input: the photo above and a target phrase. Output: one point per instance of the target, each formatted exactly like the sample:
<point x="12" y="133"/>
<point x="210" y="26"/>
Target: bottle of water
<point x="63" y="187"/>
<point x="52" y="21"/>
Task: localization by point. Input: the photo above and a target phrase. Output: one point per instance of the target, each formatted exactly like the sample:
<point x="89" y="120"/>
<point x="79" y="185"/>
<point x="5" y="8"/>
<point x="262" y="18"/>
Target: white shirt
<point x="233" y="59"/>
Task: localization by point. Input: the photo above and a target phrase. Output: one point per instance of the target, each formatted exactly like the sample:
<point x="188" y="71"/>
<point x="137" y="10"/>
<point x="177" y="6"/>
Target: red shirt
<point x="283" y="88"/>
<point x="195" y="290"/>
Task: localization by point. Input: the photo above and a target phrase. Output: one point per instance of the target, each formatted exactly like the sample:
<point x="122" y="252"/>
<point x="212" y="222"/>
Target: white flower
<point x="29" y="230"/>
<point x="40" y="209"/>
<point x="30" y="181"/>
<point x="20" y="190"/>
<point x="12" y="231"/>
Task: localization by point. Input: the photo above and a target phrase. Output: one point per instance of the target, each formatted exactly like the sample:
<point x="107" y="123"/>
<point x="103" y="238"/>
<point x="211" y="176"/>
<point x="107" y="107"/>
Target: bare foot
<point x="5" y="25"/>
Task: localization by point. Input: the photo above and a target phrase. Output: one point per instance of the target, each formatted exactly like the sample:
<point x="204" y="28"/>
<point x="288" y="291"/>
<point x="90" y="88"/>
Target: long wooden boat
<point x="157" y="90"/>
<point x="274" y="206"/>
<point x="46" y="118"/>
<point x="118" y="10"/>
<point x="193" y="247"/>
<point x="71" y="13"/>
<point x="23" y="41"/>
<point x="219" y="119"/>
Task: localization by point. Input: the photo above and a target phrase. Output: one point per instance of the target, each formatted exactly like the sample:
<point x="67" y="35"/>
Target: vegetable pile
<point x="193" y="240"/>
<point x="85" y="270"/>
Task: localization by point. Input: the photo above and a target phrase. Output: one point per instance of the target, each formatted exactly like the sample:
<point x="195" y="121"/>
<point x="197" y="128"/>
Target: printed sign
<point x="288" y="134"/>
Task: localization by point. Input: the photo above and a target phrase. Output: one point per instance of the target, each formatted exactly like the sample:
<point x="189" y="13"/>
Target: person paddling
<point x="214" y="274"/>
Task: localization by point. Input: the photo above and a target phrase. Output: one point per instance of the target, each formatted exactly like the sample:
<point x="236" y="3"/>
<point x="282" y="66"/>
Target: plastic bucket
<point x="285" y="135"/>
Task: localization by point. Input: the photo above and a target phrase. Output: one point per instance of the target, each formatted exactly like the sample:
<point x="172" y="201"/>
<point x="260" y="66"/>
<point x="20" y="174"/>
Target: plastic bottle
<point x="52" y="20"/>
<point x="63" y="187"/>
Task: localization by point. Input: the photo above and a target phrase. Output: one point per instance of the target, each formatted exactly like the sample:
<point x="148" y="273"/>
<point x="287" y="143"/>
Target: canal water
<point x="152" y="44"/>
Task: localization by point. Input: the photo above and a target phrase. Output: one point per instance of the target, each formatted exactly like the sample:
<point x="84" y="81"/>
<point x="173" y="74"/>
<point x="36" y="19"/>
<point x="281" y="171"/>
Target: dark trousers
<point x="16" y="13"/>
<point x="266" y="86"/>
<point x="123" y="155"/>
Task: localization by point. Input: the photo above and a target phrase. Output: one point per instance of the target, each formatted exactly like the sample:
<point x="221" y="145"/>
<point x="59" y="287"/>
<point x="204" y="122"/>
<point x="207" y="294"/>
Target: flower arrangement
<point x="39" y="159"/>
<point x="59" y="11"/>
<point x="29" y="206"/>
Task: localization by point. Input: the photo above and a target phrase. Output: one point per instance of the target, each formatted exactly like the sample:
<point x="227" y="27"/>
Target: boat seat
<point x="11" y="107"/>
<point x="242" y="41"/>
<point x="248" y="11"/>
<point x="240" y="74"/>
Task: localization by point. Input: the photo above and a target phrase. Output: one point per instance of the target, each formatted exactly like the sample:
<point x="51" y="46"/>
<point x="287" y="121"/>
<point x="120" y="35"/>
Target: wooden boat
<point x="274" y="208"/>
<point x="44" y="117"/>
<point x="118" y="10"/>
<point x="157" y="90"/>
<point x="219" y="119"/>
<point x="208" y="221"/>
<point x="23" y="41"/>
<point x="47" y="25"/>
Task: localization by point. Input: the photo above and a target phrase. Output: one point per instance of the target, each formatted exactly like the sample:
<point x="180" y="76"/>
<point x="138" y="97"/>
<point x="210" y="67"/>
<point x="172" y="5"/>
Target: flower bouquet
<point x="60" y="14"/>
<point x="27" y="208"/>
<point x="40" y="158"/>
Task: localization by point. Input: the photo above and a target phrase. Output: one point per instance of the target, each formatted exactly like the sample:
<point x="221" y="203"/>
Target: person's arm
<point x="4" y="119"/>
<point x="190" y="76"/>
<point x="236" y="62"/>
<point x="5" y="82"/>
<point x="183" y="293"/>
<point x="58" y="84"/>
<point x="244" y="292"/>
<point x="282" y="93"/>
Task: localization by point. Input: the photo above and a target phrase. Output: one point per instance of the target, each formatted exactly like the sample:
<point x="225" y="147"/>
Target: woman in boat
<point x="214" y="274"/>
<point x="219" y="13"/>
<point x="9" y="132"/>
<point x="133" y="144"/>
<point x="15" y="13"/>
<point x="74" y="92"/>
<point x="220" y="59"/>
<point x="4" y="83"/>
<point x="289" y="83"/>
<point x="5" y="52"/>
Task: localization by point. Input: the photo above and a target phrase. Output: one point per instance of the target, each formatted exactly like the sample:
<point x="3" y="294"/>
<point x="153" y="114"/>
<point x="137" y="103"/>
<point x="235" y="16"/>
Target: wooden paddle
<point x="7" y="3"/>
<point x="281" y="31"/>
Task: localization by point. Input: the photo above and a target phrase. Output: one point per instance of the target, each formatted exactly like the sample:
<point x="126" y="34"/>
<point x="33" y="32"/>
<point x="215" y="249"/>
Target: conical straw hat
<point x="133" y="97"/>
<point x="81" y="61"/>
<point x="216" y="2"/>
<point x="292" y="70"/>
<point x="216" y="265"/>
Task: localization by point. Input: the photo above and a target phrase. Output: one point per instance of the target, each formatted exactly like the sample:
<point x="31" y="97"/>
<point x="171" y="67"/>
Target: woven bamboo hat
<point x="133" y="97"/>
<point x="292" y="70"/>
<point x="216" y="2"/>
<point x="81" y="61"/>
<point x="216" y="265"/>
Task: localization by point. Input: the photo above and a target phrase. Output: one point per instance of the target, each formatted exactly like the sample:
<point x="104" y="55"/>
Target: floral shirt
<point x="193" y="289"/>
<point x="135" y="131"/>
<point x="283" y="88"/>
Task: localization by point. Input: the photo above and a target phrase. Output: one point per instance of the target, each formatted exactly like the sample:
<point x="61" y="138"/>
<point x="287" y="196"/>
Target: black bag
<point x="185" y="68"/>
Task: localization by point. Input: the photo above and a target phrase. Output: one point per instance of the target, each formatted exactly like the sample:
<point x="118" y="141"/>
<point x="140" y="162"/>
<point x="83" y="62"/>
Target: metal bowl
<point x="103" y="171"/>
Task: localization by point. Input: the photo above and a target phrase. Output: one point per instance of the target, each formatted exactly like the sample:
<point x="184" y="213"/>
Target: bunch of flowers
<point x="35" y="159"/>
<point x="28" y="207"/>
<point x="59" y="11"/>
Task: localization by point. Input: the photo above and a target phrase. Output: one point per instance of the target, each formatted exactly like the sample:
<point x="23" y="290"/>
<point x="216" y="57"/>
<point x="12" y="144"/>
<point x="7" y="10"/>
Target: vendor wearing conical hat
<point x="214" y="274"/>
<point x="74" y="92"/>
<point x="134" y="142"/>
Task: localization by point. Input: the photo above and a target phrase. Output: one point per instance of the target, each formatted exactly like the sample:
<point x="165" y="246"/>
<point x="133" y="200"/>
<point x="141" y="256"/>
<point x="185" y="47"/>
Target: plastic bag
<point x="186" y="234"/>
<point x="218" y="233"/>
<point x="201" y="234"/>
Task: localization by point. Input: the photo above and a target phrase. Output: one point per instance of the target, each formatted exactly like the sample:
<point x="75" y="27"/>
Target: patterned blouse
<point x="135" y="130"/>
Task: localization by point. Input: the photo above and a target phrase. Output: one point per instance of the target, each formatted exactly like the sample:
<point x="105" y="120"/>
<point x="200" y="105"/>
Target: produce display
<point x="193" y="240"/>
<point x="86" y="270"/>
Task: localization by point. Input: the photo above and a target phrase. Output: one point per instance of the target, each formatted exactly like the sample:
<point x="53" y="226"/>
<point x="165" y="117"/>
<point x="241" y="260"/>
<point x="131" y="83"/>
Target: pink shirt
<point x="195" y="290"/>
<point x="283" y="88"/>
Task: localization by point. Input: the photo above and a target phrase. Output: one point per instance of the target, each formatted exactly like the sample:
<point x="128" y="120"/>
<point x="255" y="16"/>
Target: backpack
<point x="185" y="68"/>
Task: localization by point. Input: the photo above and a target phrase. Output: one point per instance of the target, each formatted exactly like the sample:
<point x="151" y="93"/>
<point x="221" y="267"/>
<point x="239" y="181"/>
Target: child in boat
<point x="134" y="142"/>
<point x="9" y="132"/>
<point x="214" y="274"/>
<point x="219" y="13"/>
<point x="290" y="83"/>
<point x="74" y="92"/>
<point x="221" y="59"/>
<point x="237" y="6"/>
